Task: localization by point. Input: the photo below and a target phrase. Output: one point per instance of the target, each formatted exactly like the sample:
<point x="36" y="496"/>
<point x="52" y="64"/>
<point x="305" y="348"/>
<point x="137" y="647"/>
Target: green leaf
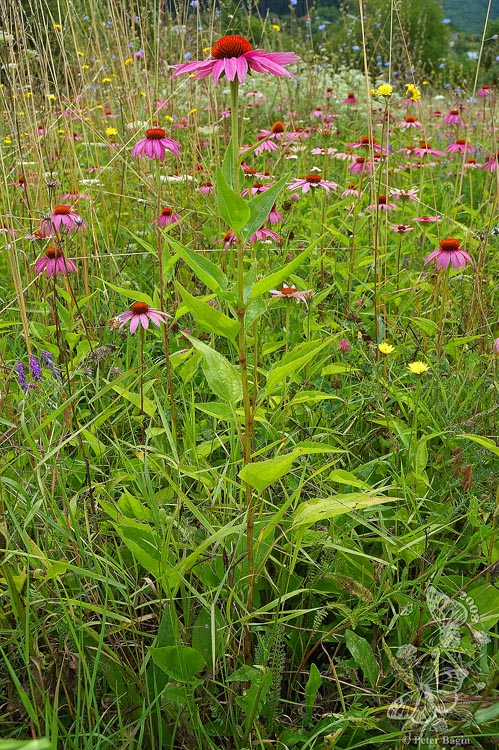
<point x="181" y="663"/>
<point x="130" y="293"/>
<point x="223" y="378"/>
<point x="482" y="716"/>
<point x="311" y="688"/>
<point x="345" y="477"/>
<point x="209" y="318"/>
<point x="292" y="363"/>
<point x="233" y="209"/>
<point x="134" y="398"/>
<point x="261" y="474"/>
<point x="363" y="656"/>
<point x="338" y="368"/>
<point x="275" y="279"/>
<point x="484" y="442"/>
<point x="209" y="273"/>
<point x="207" y="634"/>
<point x="144" y="545"/>
<point x="323" y="508"/>
<point x="260" y="206"/>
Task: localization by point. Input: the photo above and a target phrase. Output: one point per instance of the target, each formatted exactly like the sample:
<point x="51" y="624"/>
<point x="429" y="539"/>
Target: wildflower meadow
<point x="249" y="347"/>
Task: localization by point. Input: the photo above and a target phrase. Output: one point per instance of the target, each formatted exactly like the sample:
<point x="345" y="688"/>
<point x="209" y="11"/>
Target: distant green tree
<point x="411" y="33"/>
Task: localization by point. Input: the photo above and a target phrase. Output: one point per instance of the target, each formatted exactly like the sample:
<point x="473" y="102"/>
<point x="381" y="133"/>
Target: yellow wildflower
<point x="61" y="131"/>
<point x="7" y="140"/>
<point x="80" y="53"/>
<point x="413" y="92"/>
<point x="385" y="348"/>
<point x="169" y="118"/>
<point x="28" y="94"/>
<point x="111" y="131"/>
<point x="57" y="26"/>
<point x="51" y="98"/>
<point x="85" y="67"/>
<point x="384" y="90"/>
<point x="192" y="111"/>
<point x="107" y="80"/>
<point x="129" y="61"/>
<point x="417" y="367"/>
<point x="206" y="50"/>
<point x="21" y="114"/>
<point x="275" y="27"/>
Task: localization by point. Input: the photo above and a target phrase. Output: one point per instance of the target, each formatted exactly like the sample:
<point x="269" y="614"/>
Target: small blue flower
<point x="446" y="20"/>
<point x="34" y="368"/>
<point x="188" y="55"/>
<point x="293" y="2"/>
<point x="322" y="27"/>
<point x="355" y="47"/>
<point x="194" y="4"/>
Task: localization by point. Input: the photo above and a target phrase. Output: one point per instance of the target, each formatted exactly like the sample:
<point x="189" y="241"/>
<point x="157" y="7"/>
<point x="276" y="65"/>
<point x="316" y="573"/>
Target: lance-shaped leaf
<point x="275" y="279"/>
<point x="233" y="209"/>
<point x="223" y="378"/>
<point x="209" y="318"/>
<point x="209" y="273"/>
<point x="260" y="206"/>
<point x="322" y="509"/>
<point x="293" y="362"/>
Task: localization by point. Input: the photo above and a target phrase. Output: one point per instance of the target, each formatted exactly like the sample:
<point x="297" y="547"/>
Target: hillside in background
<point x="470" y="16"/>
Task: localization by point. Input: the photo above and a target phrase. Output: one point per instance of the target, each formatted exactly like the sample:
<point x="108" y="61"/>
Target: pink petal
<point x="242" y="68"/>
<point x="431" y="256"/>
<point x="135" y="322"/>
<point x="230" y="68"/>
<point x="218" y="69"/>
<point x="144" y="320"/>
<point x="444" y="260"/>
<point x="192" y="67"/>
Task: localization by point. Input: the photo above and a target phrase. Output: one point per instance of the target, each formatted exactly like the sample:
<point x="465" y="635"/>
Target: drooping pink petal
<point x="242" y="68"/>
<point x="230" y="67"/>
<point x="144" y="320"/>
<point x="431" y="256"/>
<point x="135" y="322"/>
<point x="443" y="260"/>
<point x="218" y="69"/>
<point x="204" y="66"/>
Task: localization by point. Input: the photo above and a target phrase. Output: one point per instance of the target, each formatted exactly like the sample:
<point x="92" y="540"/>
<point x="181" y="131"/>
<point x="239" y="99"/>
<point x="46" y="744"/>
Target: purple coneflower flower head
<point x="312" y="181"/>
<point x="483" y="91"/>
<point x="54" y="263"/>
<point x="449" y="253"/>
<point x="426" y="219"/>
<point x="265" y="235"/>
<point x="495" y="346"/>
<point x="460" y="146"/>
<point x="400" y="194"/>
<point x="344" y="345"/>
<point x="410" y="122"/>
<point x="277" y="132"/>
<point x="351" y="190"/>
<point x="350" y="98"/>
<point x="275" y="217"/>
<point x="63" y="219"/>
<point x="492" y="163"/>
<point x="401" y="228"/>
<point x="166" y="218"/>
<point x="140" y="314"/>
<point x="34" y="368"/>
<point x="381" y="205"/>
<point x="256" y="189"/>
<point x="291" y="292"/>
<point x="425" y="148"/>
<point x="206" y="188"/>
<point x="234" y="56"/>
<point x="228" y="240"/>
<point x="453" y="118"/>
<point x="360" y="165"/>
<point x="155" y="145"/>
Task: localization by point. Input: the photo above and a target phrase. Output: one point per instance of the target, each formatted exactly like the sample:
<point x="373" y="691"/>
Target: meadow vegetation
<point x="249" y="340"/>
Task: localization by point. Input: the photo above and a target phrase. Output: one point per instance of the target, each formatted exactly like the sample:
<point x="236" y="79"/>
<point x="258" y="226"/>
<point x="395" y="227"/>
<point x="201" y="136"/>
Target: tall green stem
<point x="248" y="432"/>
